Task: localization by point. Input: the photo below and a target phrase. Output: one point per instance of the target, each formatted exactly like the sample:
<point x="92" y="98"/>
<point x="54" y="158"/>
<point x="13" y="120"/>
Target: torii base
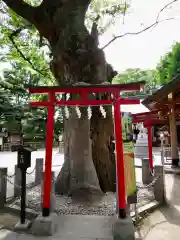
<point x="45" y="226"/>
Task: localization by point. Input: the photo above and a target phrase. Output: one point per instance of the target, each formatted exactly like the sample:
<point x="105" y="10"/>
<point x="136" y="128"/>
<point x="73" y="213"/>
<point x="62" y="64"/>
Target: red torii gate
<point x="83" y="90"/>
<point x="148" y="119"/>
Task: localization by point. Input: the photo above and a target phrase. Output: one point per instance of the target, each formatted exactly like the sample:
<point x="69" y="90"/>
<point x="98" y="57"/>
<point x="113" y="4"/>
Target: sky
<point x="136" y="108"/>
<point x="143" y="50"/>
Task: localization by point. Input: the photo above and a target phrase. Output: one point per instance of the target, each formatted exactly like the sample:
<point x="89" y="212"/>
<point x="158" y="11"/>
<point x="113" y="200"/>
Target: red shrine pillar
<point x="48" y="157"/>
<point x="120" y="173"/>
<point x="149" y="131"/>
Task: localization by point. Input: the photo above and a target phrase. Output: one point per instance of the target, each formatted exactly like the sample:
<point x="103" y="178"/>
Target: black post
<point x="122" y="213"/>
<point x="23" y="195"/>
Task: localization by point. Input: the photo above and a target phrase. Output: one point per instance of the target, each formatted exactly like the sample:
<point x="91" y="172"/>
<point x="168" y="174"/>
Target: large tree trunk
<point x="78" y="170"/>
<point x="86" y="144"/>
<point x="103" y="149"/>
<point x="80" y="60"/>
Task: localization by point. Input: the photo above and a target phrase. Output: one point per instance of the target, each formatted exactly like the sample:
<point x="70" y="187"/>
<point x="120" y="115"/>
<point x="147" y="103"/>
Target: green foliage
<point x="34" y="124"/>
<point x="13" y="89"/>
<point x="167" y="68"/>
<point x="21" y="44"/>
<point x="14" y="98"/>
<point x="29" y="56"/>
<point x="5" y="104"/>
<point x="105" y="13"/>
<point x="169" y="65"/>
<point x="136" y="75"/>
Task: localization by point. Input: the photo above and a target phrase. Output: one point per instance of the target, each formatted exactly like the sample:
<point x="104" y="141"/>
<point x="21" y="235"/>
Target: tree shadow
<point x="8" y="235"/>
<point x="172" y="210"/>
<point x="173" y="187"/>
<point x="171" y="214"/>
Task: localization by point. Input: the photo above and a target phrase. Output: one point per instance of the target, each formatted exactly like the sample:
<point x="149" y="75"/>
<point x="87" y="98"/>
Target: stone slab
<point x="22" y="227"/>
<point x="123" y="229"/>
<point x="30" y="213"/>
<point x="144" y="210"/>
<point x="169" y="169"/>
<point x="146" y="172"/>
<point x="1" y="226"/>
<point x="8" y="235"/>
<point x="45" y="226"/>
<point x="159" y="186"/>
<point x="94" y="227"/>
<point x="31" y="237"/>
<point x="76" y="227"/>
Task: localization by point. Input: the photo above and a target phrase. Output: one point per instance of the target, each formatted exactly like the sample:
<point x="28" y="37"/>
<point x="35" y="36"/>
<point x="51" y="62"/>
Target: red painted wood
<point x="85" y="102"/>
<point x="88" y="89"/>
<point x="126" y="101"/>
<point x="40" y="104"/>
<point x="48" y="156"/>
<point x="120" y="181"/>
<point x="152" y="121"/>
<point x="145" y="113"/>
<point x="150" y="146"/>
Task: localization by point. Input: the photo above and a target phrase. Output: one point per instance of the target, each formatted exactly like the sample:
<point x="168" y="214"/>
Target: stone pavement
<point x="8" y="235"/>
<point x="80" y="228"/>
<point x="164" y="224"/>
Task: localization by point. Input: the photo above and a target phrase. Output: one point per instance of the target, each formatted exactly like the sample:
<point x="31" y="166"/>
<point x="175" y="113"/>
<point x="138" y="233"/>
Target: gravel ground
<point x="85" y="203"/>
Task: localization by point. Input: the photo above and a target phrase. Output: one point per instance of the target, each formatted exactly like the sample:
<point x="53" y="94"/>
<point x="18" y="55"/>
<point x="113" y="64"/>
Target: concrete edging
<point x="172" y="170"/>
<point x="144" y="210"/>
<point x="30" y="213"/>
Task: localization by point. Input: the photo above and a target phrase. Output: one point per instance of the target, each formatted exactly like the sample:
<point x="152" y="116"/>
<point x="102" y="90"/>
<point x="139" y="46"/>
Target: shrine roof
<point x="160" y="98"/>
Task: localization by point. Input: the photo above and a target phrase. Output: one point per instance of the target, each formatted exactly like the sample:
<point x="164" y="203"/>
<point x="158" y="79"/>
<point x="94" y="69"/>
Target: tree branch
<point x="145" y="29"/>
<point x="167" y="5"/>
<point x="22" y="8"/>
<point x="21" y="54"/>
<point x="94" y="32"/>
<point x="134" y="33"/>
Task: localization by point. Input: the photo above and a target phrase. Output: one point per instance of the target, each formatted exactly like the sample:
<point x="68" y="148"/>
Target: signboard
<point x="128" y="148"/>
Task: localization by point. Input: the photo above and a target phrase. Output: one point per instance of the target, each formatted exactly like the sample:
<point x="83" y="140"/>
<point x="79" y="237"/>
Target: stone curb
<point x="30" y="213"/>
<point x="144" y="210"/>
<point x="172" y="170"/>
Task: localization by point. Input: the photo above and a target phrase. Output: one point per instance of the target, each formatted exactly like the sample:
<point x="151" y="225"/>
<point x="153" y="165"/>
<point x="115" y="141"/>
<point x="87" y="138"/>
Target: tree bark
<point x="102" y="130"/>
<point x="23" y="9"/>
<point x="78" y="170"/>
<point x="80" y="147"/>
<point x="80" y="60"/>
